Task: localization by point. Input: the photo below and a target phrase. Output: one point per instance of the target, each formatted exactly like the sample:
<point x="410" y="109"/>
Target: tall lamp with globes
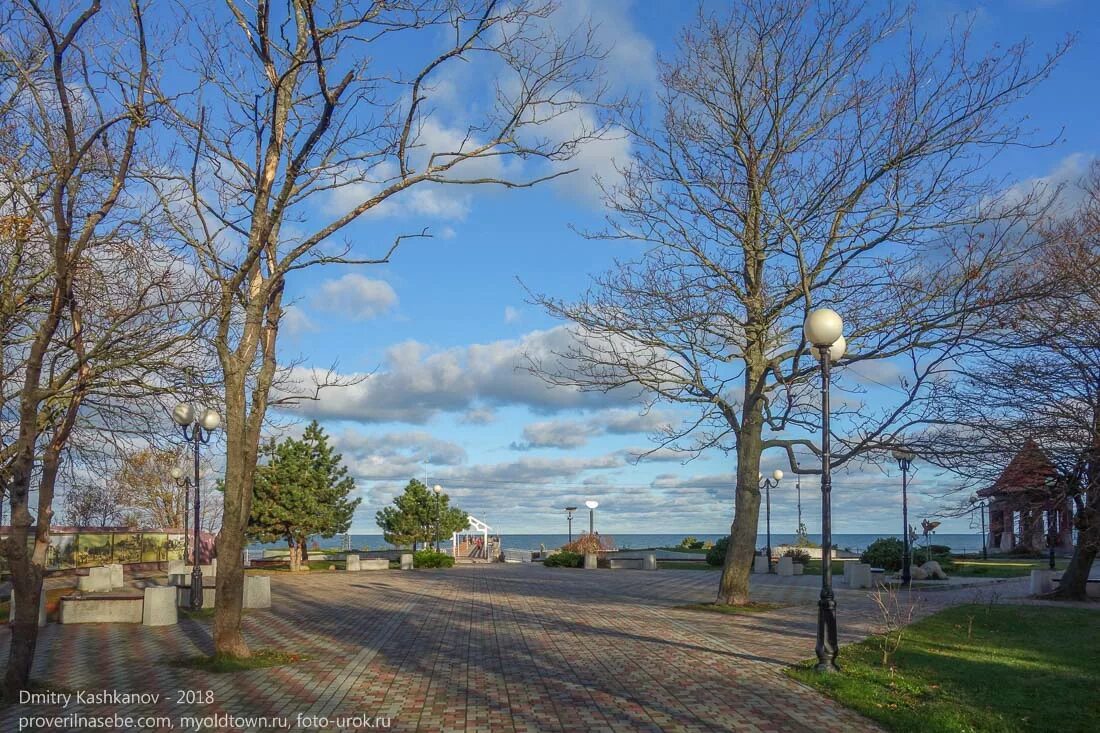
<point x="905" y="461"/>
<point x="768" y="484"/>
<point x="196" y="429"/>
<point x="824" y="331"/>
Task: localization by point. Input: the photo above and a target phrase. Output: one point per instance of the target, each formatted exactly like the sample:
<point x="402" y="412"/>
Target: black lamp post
<point x="824" y="330"/>
<point x="196" y="430"/>
<point x="980" y="506"/>
<point x="767" y="484"/>
<point x="905" y="460"/>
<point x="438" y="513"/>
<point x="569" y="518"/>
<point x="184" y="482"/>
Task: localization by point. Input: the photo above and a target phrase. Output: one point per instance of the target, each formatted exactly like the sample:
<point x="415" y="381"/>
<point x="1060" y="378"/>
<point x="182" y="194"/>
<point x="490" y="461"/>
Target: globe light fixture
<point x="824" y="330"/>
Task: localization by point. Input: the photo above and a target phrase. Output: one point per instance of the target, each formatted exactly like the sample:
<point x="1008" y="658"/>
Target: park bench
<point x="109" y="608"/>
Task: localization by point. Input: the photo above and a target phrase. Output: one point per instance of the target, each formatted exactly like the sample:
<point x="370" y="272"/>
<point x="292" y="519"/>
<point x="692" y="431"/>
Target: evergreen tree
<point x="302" y="489"/>
<point x="420" y="515"/>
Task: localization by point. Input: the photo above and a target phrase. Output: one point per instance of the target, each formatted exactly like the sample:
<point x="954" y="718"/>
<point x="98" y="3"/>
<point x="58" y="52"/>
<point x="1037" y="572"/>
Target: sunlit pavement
<point x="485" y="648"/>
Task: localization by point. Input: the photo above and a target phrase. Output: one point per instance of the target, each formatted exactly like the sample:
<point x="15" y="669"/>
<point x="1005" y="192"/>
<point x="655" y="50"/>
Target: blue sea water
<point x="959" y="543"/>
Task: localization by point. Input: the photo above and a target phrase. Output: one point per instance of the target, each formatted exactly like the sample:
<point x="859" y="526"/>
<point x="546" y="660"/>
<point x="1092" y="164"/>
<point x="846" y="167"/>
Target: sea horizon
<point x="960" y="543"/>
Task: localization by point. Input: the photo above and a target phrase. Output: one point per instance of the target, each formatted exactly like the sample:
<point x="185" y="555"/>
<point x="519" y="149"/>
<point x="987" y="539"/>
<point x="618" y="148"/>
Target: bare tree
<point x="804" y="155"/>
<point x="304" y="123"/>
<point x="1038" y="379"/>
<point x="92" y="308"/>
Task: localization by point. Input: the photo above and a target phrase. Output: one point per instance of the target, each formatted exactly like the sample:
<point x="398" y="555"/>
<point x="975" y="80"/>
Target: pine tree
<point x="302" y="489"/>
<point x="420" y="515"/>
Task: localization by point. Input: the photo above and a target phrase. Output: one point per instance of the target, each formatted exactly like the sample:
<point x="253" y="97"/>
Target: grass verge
<point x="219" y="664"/>
<point x="976" y="668"/>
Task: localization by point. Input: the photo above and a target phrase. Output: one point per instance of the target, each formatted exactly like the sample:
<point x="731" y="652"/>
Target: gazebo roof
<point x="1028" y="471"/>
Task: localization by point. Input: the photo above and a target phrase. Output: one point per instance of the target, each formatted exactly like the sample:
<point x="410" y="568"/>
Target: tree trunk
<point x="303" y="551"/>
<point x="26" y="583"/>
<point x="1074" y="583"/>
<point x="239" y="467"/>
<point x="734" y="588"/>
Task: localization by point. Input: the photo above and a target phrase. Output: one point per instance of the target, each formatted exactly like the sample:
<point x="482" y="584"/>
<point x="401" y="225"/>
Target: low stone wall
<point x="374" y="563"/>
<point x="117" y="609"/>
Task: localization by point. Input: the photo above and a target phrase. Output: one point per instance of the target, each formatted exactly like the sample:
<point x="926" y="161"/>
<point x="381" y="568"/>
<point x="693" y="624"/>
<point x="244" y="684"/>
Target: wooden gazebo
<point x="1028" y="504"/>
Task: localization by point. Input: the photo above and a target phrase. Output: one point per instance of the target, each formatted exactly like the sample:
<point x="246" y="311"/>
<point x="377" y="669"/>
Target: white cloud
<point x="356" y="296"/>
<point x="415" y="384"/>
<point x="1061" y="181"/>
<point x="511" y="315"/>
<point x="556" y="434"/>
<point x="295" y="321"/>
<point x="576" y="433"/>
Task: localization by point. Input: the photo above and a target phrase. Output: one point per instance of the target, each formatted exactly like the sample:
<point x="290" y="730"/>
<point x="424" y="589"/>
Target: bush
<point x="690" y="543"/>
<point x="589" y="543"/>
<point x="798" y="555"/>
<point x="564" y="559"/>
<point x="432" y="559"/>
<point x="939" y="553"/>
<point x="884" y="553"/>
<point x="717" y="554"/>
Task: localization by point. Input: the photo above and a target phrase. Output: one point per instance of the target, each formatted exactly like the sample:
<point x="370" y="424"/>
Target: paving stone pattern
<point x="488" y="648"/>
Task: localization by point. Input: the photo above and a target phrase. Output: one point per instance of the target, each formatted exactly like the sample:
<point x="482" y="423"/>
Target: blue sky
<point x="442" y="328"/>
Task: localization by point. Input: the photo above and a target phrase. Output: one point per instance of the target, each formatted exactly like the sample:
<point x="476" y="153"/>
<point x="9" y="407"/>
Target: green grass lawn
<point x="977" y="668"/>
<point x="1001" y="567"/>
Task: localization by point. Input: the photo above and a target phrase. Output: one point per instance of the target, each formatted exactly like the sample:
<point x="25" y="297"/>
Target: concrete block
<point x="878" y="577"/>
<point x="116" y="575"/>
<point x="352" y="563"/>
<point x="41" y="608"/>
<point x="1092" y="589"/>
<point x="374" y="563"/>
<point x="102" y="610"/>
<point x="798" y="568"/>
<point x="785" y="566"/>
<point x="257" y="591"/>
<point x="175" y="567"/>
<point x="213" y="567"/>
<point x="624" y="563"/>
<point x="1042" y="582"/>
<point x="649" y="561"/>
<point x="159" y="606"/>
<point x="406" y="561"/>
<point x="859" y="575"/>
<point x="590" y="561"/>
<point x="759" y="564"/>
<point x="98" y="580"/>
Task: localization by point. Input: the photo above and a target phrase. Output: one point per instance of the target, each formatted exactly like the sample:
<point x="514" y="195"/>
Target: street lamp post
<point x="196" y="429"/>
<point x="569" y="518"/>
<point x="980" y="506"/>
<point x="767" y="484"/>
<point x="184" y="482"/>
<point x="905" y="460"/>
<point x="592" y="504"/>
<point x="824" y="330"/>
<point x="438" y="492"/>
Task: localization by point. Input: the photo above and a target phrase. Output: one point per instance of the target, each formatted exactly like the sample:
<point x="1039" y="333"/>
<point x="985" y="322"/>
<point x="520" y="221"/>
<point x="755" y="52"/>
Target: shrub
<point x="590" y="543"/>
<point x="564" y="559"/>
<point x="432" y="559"/>
<point x="717" y="554"/>
<point x="939" y="553"/>
<point x="884" y="553"/>
<point x="690" y="543"/>
<point x="797" y="554"/>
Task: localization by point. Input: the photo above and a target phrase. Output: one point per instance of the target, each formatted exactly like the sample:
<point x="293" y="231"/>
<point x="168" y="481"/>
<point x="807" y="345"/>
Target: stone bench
<point x="624" y="563"/>
<point x="257" y="591"/>
<point x="352" y="563"/>
<point x="785" y="566"/>
<point x="102" y="609"/>
<point x="406" y="561"/>
<point x="760" y="564"/>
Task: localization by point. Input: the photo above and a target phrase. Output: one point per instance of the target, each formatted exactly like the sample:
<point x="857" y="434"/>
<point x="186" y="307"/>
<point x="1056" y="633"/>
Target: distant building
<point x="1028" y="504"/>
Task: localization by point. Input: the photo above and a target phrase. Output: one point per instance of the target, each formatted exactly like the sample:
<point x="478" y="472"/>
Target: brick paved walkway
<point x="485" y="648"/>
